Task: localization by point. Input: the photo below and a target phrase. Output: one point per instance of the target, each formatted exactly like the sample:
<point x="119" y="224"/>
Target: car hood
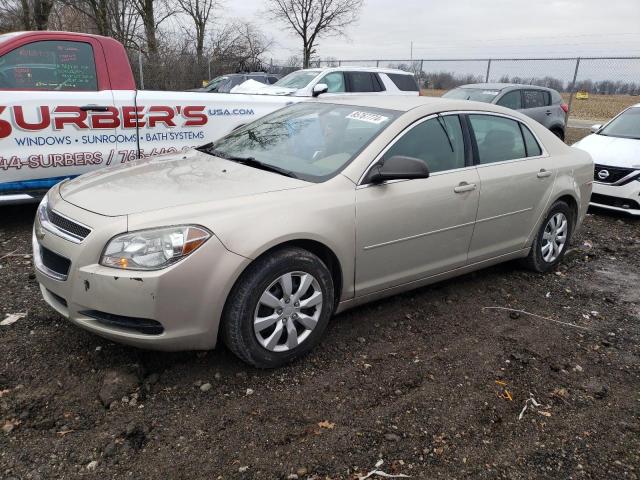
<point x="612" y="151"/>
<point x="169" y="181"/>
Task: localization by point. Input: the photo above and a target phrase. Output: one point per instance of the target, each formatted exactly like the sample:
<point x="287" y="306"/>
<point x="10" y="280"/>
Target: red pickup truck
<point x="69" y="104"/>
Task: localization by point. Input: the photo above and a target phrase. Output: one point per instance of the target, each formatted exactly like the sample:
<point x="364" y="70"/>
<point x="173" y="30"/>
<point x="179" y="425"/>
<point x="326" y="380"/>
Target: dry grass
<point x="572" y="135"/>
<point x="596" y="107"/>
<point x="600" y="107"/>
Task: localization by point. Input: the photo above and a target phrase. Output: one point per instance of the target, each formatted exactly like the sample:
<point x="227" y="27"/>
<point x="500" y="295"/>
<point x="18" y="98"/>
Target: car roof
<point x="501" y="86"/>
<point x="404" y="103"/>
<point x="352" y="68"/>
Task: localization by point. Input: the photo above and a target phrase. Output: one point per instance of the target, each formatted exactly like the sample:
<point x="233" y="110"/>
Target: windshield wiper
<point x="252" y="162"/>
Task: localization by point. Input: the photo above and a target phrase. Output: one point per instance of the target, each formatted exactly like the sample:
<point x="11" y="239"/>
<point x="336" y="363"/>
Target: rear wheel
<point x="558" y="132"/>
<point x="279" y="308"/>
<point x="552" y="239"/>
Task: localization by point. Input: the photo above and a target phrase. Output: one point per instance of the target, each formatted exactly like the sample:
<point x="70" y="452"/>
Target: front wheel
<point x="552" y="239"/>
<point x="279" y="308"/>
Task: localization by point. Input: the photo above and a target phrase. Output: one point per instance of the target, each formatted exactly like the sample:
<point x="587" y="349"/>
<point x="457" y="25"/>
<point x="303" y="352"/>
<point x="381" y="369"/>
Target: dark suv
<point x="544" y="105"/>
<point x="224" y="83"/>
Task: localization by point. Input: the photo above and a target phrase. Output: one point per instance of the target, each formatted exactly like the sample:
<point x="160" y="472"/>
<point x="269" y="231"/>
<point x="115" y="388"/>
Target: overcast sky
<point x="469" y="29"/>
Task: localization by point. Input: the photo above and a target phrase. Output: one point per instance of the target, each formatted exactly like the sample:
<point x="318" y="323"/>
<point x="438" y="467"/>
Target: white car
<point x="337" y="80"/>
<point x="615" y="148"/>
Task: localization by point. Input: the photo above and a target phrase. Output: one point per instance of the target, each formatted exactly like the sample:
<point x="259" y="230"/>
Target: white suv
<point x="312" y="82"/>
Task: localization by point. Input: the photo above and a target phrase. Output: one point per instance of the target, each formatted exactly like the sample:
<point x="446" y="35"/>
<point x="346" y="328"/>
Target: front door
<point x="411" y="229"/>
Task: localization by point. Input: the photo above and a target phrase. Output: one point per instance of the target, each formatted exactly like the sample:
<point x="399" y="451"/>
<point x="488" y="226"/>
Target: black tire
<point x="535" y="260"/>
<point x="558" y="132"/>
<point x="238" y="316"/>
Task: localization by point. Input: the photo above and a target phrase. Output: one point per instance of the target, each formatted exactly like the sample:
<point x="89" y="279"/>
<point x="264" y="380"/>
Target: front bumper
<point x="621" y="198"/>
<point x="184" y="301"/>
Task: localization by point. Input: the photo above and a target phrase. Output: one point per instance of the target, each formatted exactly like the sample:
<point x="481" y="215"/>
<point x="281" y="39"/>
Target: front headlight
<point x="43" y="213"/>
<point x="153" y="249"/>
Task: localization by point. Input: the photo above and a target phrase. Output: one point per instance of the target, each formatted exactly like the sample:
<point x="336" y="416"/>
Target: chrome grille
<point x="67" y="225"/>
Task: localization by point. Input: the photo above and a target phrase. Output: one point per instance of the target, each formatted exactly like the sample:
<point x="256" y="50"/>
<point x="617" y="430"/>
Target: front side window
<point x="535" y="98"/>
<point x="310" y="141"/>
<point x="438" y="142"/>
<point x="335" y="82"/>
<point x="511" y="99"/>
<point x="498" y="138"/>
<point x="625" y="125"/>
<point x="49" y="65"/>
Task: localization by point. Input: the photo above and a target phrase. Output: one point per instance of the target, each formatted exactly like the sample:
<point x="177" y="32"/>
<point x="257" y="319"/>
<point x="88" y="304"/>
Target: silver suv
<point x="544" y="105"/>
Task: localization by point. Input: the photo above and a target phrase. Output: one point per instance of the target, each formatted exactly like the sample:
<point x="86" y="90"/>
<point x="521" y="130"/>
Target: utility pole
<point x="411" y="51"/>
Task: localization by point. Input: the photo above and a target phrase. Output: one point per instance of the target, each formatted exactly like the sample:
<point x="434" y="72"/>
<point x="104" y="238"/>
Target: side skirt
<point x="388" y="292"/>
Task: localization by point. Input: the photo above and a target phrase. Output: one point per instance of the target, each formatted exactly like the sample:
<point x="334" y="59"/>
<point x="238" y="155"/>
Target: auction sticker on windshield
<point x="368" y="117"/>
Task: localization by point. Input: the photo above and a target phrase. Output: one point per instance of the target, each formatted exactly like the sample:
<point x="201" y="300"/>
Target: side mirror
<point x="595" y="128"/>
<point x="320" y="88"/>
<point x="398" y="168"/>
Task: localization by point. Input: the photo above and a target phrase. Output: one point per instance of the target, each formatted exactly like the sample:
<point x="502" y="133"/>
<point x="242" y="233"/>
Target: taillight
<point x="564" y="107"/>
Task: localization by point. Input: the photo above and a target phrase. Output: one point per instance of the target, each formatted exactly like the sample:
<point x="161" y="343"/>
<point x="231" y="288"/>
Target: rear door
<point x="516" y="178"/>
<point x="56" y="114"/>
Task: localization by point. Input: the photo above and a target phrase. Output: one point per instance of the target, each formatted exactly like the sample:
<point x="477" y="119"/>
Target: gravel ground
<point x="429" y="381"/>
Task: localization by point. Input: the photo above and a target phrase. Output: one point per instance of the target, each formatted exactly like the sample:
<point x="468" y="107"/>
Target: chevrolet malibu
<point x="263" y="235"/>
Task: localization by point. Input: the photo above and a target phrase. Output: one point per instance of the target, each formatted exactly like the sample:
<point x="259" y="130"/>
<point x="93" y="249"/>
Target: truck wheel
<point x="279" y="308"/>
<point x="552" y="239"/>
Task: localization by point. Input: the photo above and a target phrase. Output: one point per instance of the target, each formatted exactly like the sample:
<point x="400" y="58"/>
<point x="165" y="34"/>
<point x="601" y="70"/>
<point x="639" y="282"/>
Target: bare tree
<point x="114" y="18"/>
<point x="238" y="46"/>
<point x="152" y="14"/>
<point x="313" y="19"/>
<point x="199" y="11"/>
<point x="26" y="14"/>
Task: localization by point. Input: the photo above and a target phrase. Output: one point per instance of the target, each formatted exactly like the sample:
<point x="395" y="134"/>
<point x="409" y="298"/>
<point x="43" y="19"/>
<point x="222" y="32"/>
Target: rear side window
<point x="530" y="142"/>
<point x="498" y="138"/>
<point x="438" y="142"/>
<point x="406" y="83"/>
<point x="536" y="98"/>
<point x="258" y="78"/>
<point x="273" y="80"/>
<point x="49" y="65"/>
<point x="364" y="82"/>
<point x="556" y="98"/>
<point x="511" y="99"/>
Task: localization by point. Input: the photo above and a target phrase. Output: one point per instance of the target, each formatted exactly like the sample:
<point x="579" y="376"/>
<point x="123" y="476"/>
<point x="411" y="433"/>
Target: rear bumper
<point x="621" y="198"/>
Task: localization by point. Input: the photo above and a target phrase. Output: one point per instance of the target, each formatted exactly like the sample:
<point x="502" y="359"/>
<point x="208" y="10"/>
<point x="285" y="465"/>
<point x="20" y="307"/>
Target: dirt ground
<point x="431" y="382"/>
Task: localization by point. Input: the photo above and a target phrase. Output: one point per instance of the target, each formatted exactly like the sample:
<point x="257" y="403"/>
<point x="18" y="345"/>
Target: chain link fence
<point x="595" y="88"/>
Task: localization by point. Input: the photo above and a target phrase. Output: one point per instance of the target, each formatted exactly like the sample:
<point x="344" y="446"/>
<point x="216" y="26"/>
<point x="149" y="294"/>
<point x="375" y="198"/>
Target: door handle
<point x="544" y="173"/>
<point x="94" y="108"/>
<point x="464" y="187"/>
